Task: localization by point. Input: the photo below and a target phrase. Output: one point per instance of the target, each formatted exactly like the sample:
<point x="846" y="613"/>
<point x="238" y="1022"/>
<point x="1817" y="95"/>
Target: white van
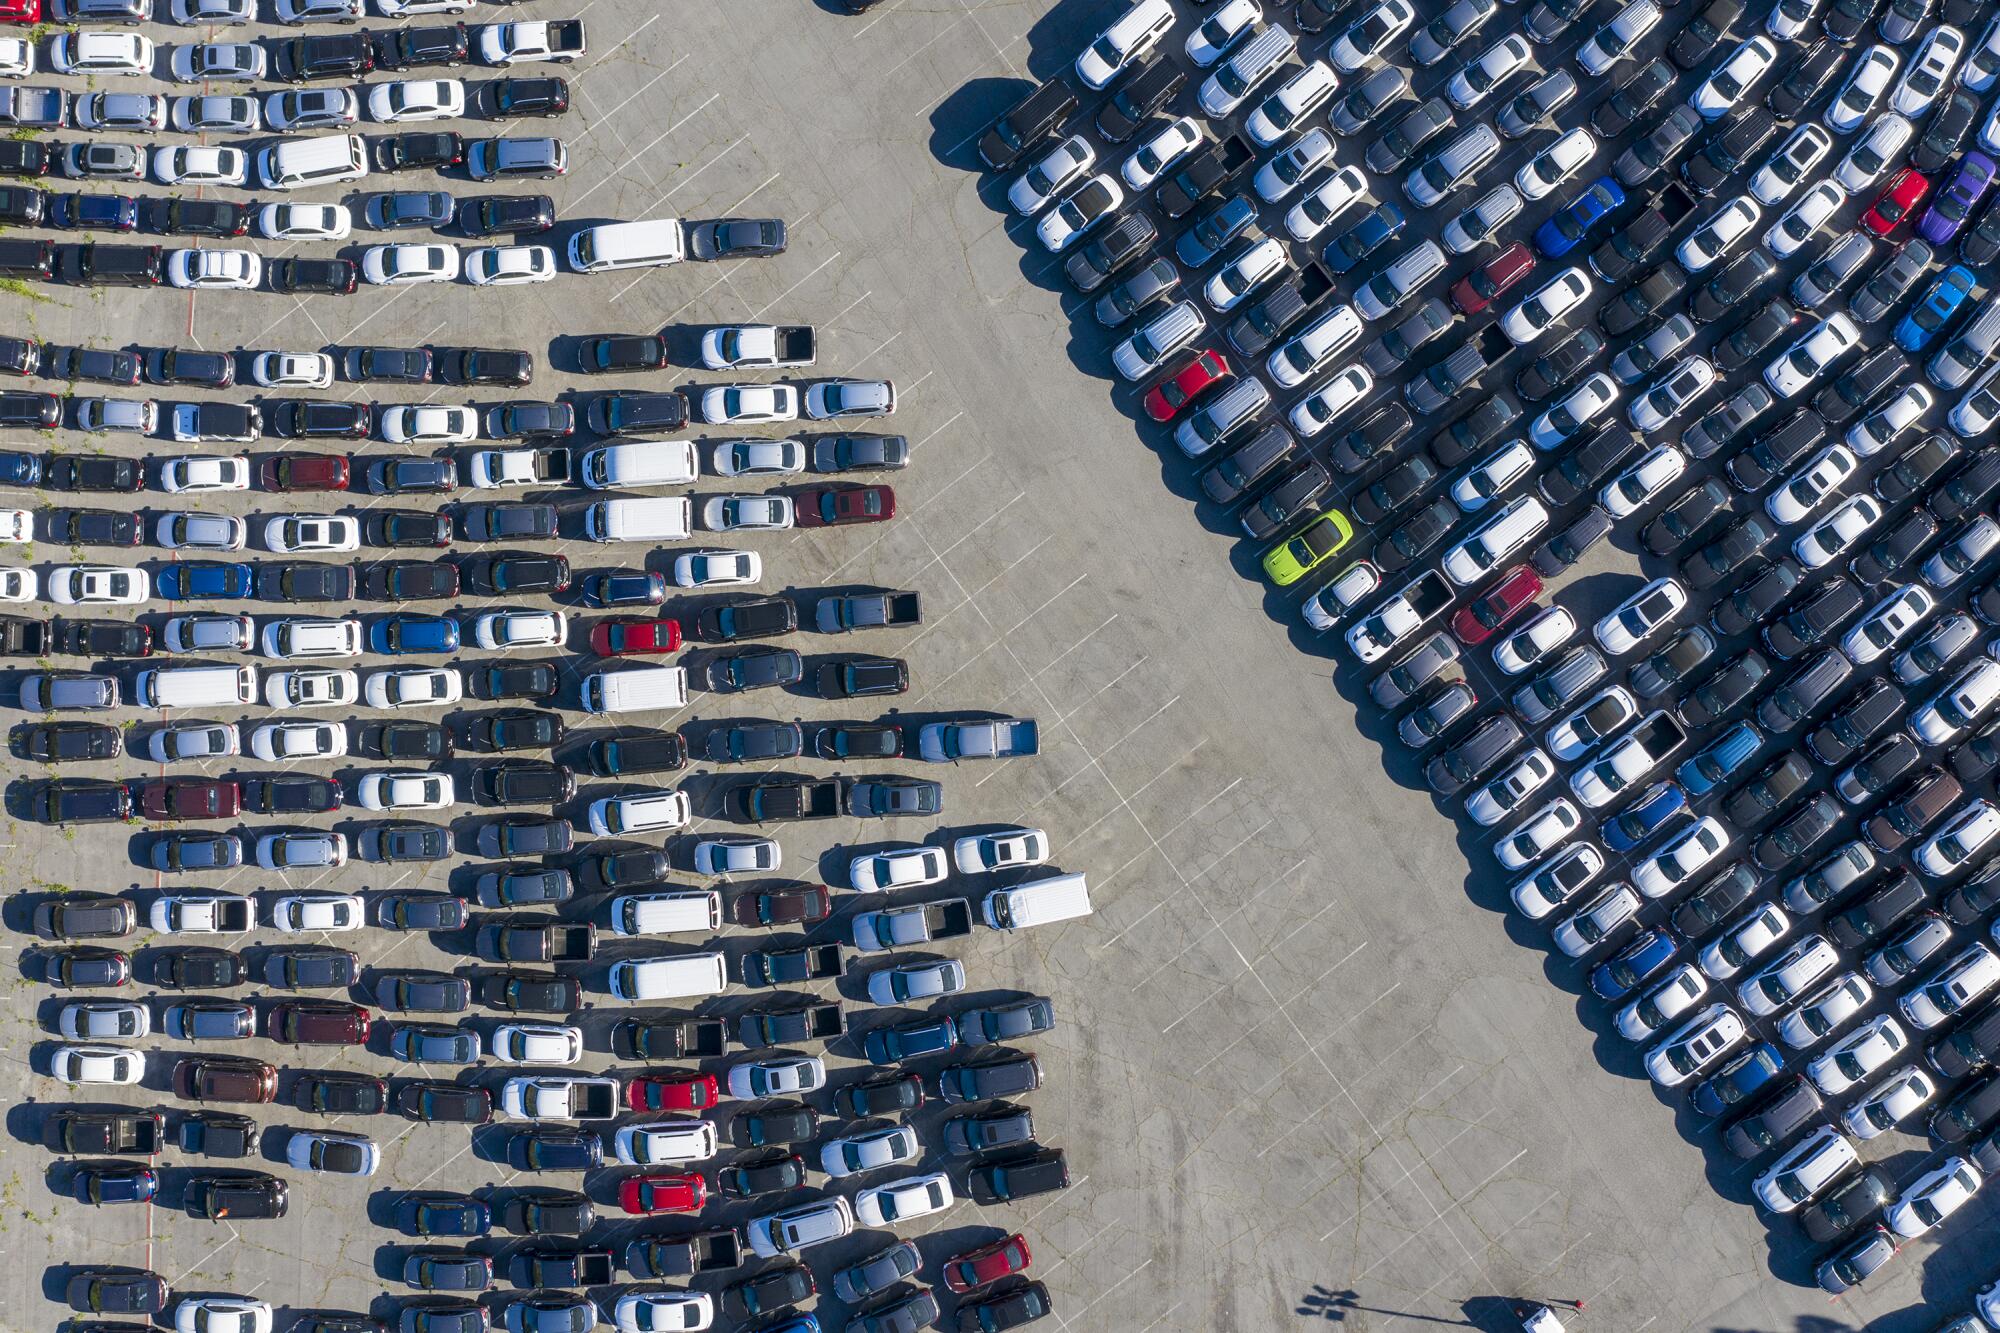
<point x="639" y="812"/>
<point x="326" y="159"/>
<point x="197" y="686"/>
<point x="660" y="1142"/>
<point x="674" y="912"/>
<point x="1037" y="903"/>
<point x="627" y="245"/>
<point x="678" y="978"/>
<point x="641" y="463"/>
<point x="650" y="518"/>
<point x="635" y="690"/>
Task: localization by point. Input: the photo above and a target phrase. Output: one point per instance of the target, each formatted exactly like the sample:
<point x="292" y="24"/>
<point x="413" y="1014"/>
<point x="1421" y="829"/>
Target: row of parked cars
<point x="1643" y="769"/>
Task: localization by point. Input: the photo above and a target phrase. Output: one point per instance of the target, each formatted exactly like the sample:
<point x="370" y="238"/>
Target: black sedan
<point x="763" y="1173"/>
<point x="311" y="967"/>
<point x="94" y="527"/>
<point x="69" y="742"/>
<point x="514" y="680"/>
<point x="615" y="353"/>
<point x="519" y="572"/>
<point x="530" y="992"/>
<point x="736" y="238"/>
<point x="416" y="910"/>
<point x="325" y="277"/>
<point x="290" y="794"/>
<point x="406" y="841"/>
<point x="524" y="781"/>
<point x="410" y="528"/>
<point x="507" y="214"/>
<point x="517" y="520"/>
<point x="423" y="992"/>
<point x="484" y="365"/>
<point x="100" y="638"/>
<point x="340" y="1094"/>
<point x="413" y="476"/>
<point x="513" y="729"/>
<point x="409" y="580"/>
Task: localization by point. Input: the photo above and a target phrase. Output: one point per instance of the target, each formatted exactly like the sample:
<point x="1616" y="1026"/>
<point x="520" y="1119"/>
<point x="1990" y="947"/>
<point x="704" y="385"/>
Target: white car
<point x="17" y="526"/>
<point x="200" y="164"/>
<point x="19" y="585"/>
<point x="750" y="404"/>
<point x="1806" y="489"/>
<point x="897" y="868"/>
<point x="1517" y="779"/>
<point x="638" y="812"/>
<point x="1691" y="852"/>
<point x="1702" y="1039"/>
<point x="1868" y="78"/>
<point x="1596" y="921"/>
<point x="1538" y="313"/>
<point x="1805" y="963"/>
<point x="1369" y="36"/>
<point x="288" y="742"/>
<point x="1541" y="833"/>
<point x="1979" y="409"/>
<point x="1787" y="167"/>
<point x="1952" y="847"/>
<point x="294" y="637"/>
<point x="217" y="115"/>
<point x="736" y="854"/>
<point x="1134" y="33"/>
<point x="225" y="13"/>
<point x="222" y="1314"/>
<point x="1789" y="19"/>
<point x="406" y="101"/>
<point x="1676" y="390"/>
<point x="191" y="741"/>
<point x="776" y="1076"/>
<point x="1735" y="76"/>
<point x="92" y="1020"/>
<point x="1966" y="977"/>
<point x="1806" y="1168"/>
<point x="1156" y="156"/>
<point x="1808" y="358"/>
<point x="1078" y="212"/>
<point x="1713" y="238"/>
<point x="292" y="370"/>
<point x="905" y="1200"/>
<point x="301" y="850"/>
<point x="413" y="687"/>
<point x="323" y="1151"/>
<point x="1645" y="613"/>
<point x="1598" y="718"/>
<point x="1883" y="426"/>
<point x="305" y="222"/>
<point x="828" y="400"/>
<point x="1933" y="1196"/>
<point x="1003" y="849"/>
<point x="757" y="458"/>
<point x="509" y="265"/>
<point x="1493" y="476"/>
<point x="1246" y="271"/>
<point x="1291" y="104"/>
<point x="747" y="513"/>
<point x="1851" y="1060"/>
<point x="1826" y="1009"/>
<point x="1581" y="406"/>
<point x="1219" y="33"/>
<point x="198" y="62"/>
<point x="408" y="423"/>
<point x="405" y="791"/>
<point x="1286" y="171"/>
<point x="99" y="585"/>
<point x="17" y="57"/>
<point x="1929" y="70"/>
<point x="97" y="1065"/>
<point x="1158" y="340"/>
<point x="1057" y="170"/>
<point x="1615" y="40"/>
<point x="1871" y="153"/>
<point x="537" y="1044"/>
<point x="294" y="534"/>
<point x="1643" y="481"/>
<point x="1547" y="170"/>
<point x="510" y="629"/>
<point x="299" y="109"/>
<point x="1488" y="70"/>
<point x="215" y="270"/>
<point x="91" y="52"/>
<point x="1529" y="646"/>
<point x="1667" y="1000"/>
<point x="1325" y="201"/>
<point x="1836" y="534"/>
<point x="1969" y="697"/>
<point x="1803" y="220"/>
<point x="408" y="264"/>
<point x="1557" y="881"/>
<point x="301" y="913"/>
<point x="1963" y="553"/>
<point x="1314" y="346"/>
<point x="657" y="1142"/>
<point x="1744" y="941"/>
<point x="1978" y="73"/>
<point x="869" y="1150"/>
<point x="717" y="568"/>
<point x="663" y="1311"/>
<point x="1324" y="405"/>
<point x="1496" y="541"/>
<point x="1890" y="1103"/>
<point x="1888" y="623"/>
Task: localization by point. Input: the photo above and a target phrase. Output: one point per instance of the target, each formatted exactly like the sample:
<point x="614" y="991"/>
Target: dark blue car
<point x="1655" y="806"/>
<point x="1935" y="307"/>
<point x="1739" y="1079"/>
<point x="1562" y="233"/>
<point x="624" y="587"/>
<point x="407" y="632"/>
<point x="1721" y="759"/>
<point x="1377" y="227"/>
<point x="20" y="469"/>
<point x="442" y="1215"/>
<point x="909" y="1041"/>
<point x="190" y="580"/>
<point x="1223" y="224"/>
<point x="94" y="212"/>
<point x="1627" y="970"/>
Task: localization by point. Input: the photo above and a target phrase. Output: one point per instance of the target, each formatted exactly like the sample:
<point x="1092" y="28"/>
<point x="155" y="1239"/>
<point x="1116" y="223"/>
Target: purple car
<point x="1952" y="205"/>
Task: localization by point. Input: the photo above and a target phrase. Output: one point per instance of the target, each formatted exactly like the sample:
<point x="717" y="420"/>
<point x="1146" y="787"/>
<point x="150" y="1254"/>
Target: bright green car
<point x="1308" y="548"/>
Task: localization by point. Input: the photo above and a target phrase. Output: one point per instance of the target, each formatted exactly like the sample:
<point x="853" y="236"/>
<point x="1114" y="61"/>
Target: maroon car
<point x="190" y="798"/>
<point x="318" y="1023"/>
<point x="305" y="472"/>
<point x="831" y="506"/>
<point x="225" y="1078"/>
<point x="1481" y="287"/>
<point x="792" y="905"/>
<point x="1476" y="622"/>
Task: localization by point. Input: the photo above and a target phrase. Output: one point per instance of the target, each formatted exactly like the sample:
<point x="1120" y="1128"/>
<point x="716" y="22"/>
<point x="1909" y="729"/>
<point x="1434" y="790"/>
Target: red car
<point x="305" y="472"/>
<point x="1896" y="202"/>
<point x="672" y="1092"/>
<point x="1481" y="287"/>
<point x="832" y="506"/>
<point x="1476" y="621"/>
<point x="989" y="1263"/>
<point x="318" y="1023"/>
<point x="667" y="1192"/>
<point x="190" y="798"/>
<point x="20" y="11"/>
<point x="630" y="636"/>
<point x="1170" y="395"/>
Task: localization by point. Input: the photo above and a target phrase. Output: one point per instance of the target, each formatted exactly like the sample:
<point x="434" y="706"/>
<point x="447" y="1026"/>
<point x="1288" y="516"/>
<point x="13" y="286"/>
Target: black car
<point x="520" y="572"/>
<point x="629" y="867"/>
<point x="529" y="417"/>
<point x="774" y="1123"/>
<point x="636" y="413"/>
<point x="290" y="794"/>
<point x="513" y="680"/>
<point x="761" y="1173"/>
<point x="530" y="97"/>
<point x="1776" y="450"/>
<point x="1698" y="40"/>
<point x="1688" y="514"/>
<point x="1374" y="438"/>
<point x="392" y="365"/>
<point x="199" y="969"/>
<point x="409" y="580"/>
<point x="512" y="520"/>
<point x="1636" y="304"/>
<point x="1428" y="321"/>
<point x="317" y="419"/>
<point x="1471" y="433"/>
<point x="514" y="729"/>
<point x="409" y="48"/>
<point x="484" y="365"/>
<point x="1098" y="261"/>
<point x="621" y="352"/>
<point x="325" y="277"/>
<point x="1638" y="94"/>
<point x="204" y="217"/>
<point x="310" y="967"/>
<point x="1553" y="371"/>
<point x="1715" y="902"/>
<point x="647" y="752"/>
<point x="1889" y="553"/>
<point x="69" y="742"/>
<point x="103" y="365"/>
<point x="409" y="528"/>
<point x="94" y="527"/>
<point x="736" y="238"/>
<point x="435" y="475"/>
<point x="1732" y="286"/>
<point x="406" y="740"/>
<point x="1731" y="549"/>
<point x="507" y="214"/>
<point x="523" y="781"/>
<point x="1945" y="133"/>
<point x="1740" y="136"/>
<point x="92" y="472"/>
<point x="1564" y="549"/>
<point x="1583" y="467"/>
<point x="404" y="841"/>
<point x="1394" y="489"/>
<point x="1806" y="77"/>
<point x="1417" y="536"/>
<point x="346" y="55"/>
<point x="1724" y="425"/>
<point x="1875" y="706"/>
<point x="1968" y="489"/>
<point x="1859" y="383"/>
<point x="100" y="638"/>
<point x="1144" y="89"/>
<point x="1721" y="694"/>
<point x="1761" y="594"/>
<point x="340" y="1094"/>
<point x="861" y="677"/>
<point x="1917" y="467"/>
<point x="774" y="1288"/>
<point x="530" y="992"/>
<point x="304" y="581"/>
<point x="524" y="835"/>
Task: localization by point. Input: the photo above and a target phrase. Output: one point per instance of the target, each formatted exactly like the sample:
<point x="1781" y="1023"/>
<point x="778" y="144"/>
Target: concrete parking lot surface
<point x="1306" y="1070"/>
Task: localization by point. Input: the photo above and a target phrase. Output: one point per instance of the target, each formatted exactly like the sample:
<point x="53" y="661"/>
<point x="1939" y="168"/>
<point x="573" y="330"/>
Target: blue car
<point x="1566" y="230"/>
<point x="909" y="1041"/>
<point x="1721" y="759"/>
<point x="20" y="469"/>
<point x="1221" y="225"/>
<point x="1655" y="806"/>
<point x="1377" y="227"/>
<point x="1935" y="308"/>
<point x="94" y="212"/>
<point x="442" y="1215"/>
<point x="624" y="587"/>
<point x="191" y="580"/>
<point x="1627" y="970"/>
<point x="1739" y="1079"/>
<point x="407" y="632"/>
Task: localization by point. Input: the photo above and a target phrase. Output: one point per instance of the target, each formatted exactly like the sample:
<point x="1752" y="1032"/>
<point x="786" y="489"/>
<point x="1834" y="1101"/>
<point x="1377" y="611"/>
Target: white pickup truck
<point x="491" y="469"/>
<point x="1422" y="599"/>
<point x="556" y="40"/>
<point x="559" y="1097"/>
<point x="201" y="914"/>
<point x="755" y="346"/>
